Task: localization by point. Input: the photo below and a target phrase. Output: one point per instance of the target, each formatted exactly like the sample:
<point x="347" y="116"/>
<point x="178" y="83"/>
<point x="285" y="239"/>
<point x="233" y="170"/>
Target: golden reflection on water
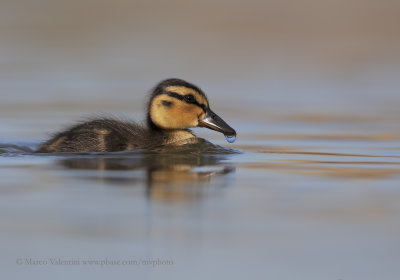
<point x="298" y="151"/>
<point x="322" y="169"/>
<point x="329" y="136"/>
<point x="340" y="165"/>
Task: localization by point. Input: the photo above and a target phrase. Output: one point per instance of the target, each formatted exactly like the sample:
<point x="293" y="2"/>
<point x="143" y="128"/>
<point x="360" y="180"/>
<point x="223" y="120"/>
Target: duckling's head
<point x="176" y="104"/>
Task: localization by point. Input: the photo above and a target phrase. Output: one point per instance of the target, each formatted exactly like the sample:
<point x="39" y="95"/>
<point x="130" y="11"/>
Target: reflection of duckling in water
<point x="174" y="106"/>
<point x="168" y="176"/>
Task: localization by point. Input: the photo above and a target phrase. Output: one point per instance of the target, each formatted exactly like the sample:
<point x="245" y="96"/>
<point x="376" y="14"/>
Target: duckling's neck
<point x="176" y="136"/>
<point x="179" y="137"/>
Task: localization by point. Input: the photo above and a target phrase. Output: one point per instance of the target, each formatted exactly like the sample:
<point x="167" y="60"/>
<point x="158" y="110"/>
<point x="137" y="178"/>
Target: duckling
<point x="174" y="106"/>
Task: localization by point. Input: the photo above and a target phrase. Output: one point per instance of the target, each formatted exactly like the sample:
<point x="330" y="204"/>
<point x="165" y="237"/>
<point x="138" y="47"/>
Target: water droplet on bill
<point x="230" y="139"/>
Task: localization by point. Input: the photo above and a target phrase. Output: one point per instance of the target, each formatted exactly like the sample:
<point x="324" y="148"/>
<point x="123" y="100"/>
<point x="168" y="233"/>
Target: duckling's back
<point x="101" y="135"/>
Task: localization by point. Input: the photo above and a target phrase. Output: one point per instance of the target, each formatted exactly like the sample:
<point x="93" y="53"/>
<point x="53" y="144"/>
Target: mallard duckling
<point x="175" y="106"/>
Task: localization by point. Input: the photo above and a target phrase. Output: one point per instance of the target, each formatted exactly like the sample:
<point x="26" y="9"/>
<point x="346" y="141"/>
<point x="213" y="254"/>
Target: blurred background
<point x="311" y="86"/>
<point x="309" y="59"/>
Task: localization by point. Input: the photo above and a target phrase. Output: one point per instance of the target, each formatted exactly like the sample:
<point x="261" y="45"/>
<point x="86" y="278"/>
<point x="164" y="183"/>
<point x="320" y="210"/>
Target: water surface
<point x="312" y="201"/>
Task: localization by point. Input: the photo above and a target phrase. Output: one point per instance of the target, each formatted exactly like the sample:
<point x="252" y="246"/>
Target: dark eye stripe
<point x="182" y="97"/>
<point x="189" y="98"/>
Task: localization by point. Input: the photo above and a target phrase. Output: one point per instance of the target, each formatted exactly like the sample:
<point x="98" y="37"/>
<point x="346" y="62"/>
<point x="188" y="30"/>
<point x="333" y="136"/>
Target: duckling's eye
<point x="189" y="98"/>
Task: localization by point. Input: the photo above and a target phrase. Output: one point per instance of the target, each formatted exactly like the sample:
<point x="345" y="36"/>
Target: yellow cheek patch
<point x="177" y="115"/>
<point x="185" y="115"/>
<point x="201" y="99"/>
